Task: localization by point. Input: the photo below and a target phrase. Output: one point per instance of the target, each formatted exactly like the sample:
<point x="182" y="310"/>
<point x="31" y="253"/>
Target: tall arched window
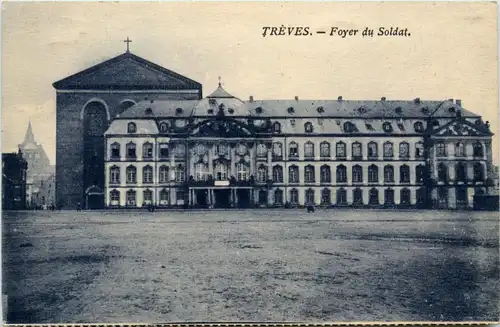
<point x="326" y="176"/>
<point x="131" y="128"/>
<point x="373" y="198"/>
<point x="309" y="197"/>
<point x="147" y="196"/>
<point x="373" y="174"/>
<point x="164" y="197"/>
<point x="277" y="127"/>
<point x="309" y="150"/>
<point x="389" y="174"/>
<point x="324" y="149"/>
<point x="326" y="196"/>
<point x="404" y="174"/>
<point x="131" y="175"/>
<point x="131" y="153"/>
<point x="131" y="198"/>
<point x="115" y="151"/>
<point x="114" y="196"/>
<point x="242" y="172"/>
<point x="114" y="174"/>
<point x="277" y="150"/>
<point x="309" y="174"/>
<point x="405" y="196"/>
<point x="95" y="123"/>
<point x="478" y="172"/>
<point x="419" y="150"/>
<point x="294" y="196"/>
<point x="459" y="149"/>
<point x="262" y="174"/>
<point x="404" y="150"/>
<point x="308" y="127"/>
<point x="147" y="150"/>
<point x="341" y="196"/>
<point x="278" y="174"/>
<point x="357" y="151"/>
<point x="442" y="172"/>
<point x="478" y="149"/>
<point x="147" y="175"/>
<point x="460" y="172"/>
<point x="340" y="151"/>
<point x="278" y="197"/>
<point x="220" y="171"/>
<point x="341" y="174"/>
<point x="357" y="174"/>
<point x="293" y="174"/>
<point x="389" y="196"/>
<point x="201" y="171"/>
<point x="440" y="149"/>
<point x="164" y="174"/>
<point x="388" y="150"/>
<point x="261" y="150"/>
<point x="357" y="195"/>
<point x="372" y="150"/>
<point x="163" y="127"/>
<point x="420" y="174"/>
<point x="293" y="150"/>
<point x="179" y="173"/>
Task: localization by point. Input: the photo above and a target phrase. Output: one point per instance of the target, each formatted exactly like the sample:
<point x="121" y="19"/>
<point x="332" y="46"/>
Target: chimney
<point x="451" y="100"/>
<point x="382" y="98"/>
<point x="459" y="102"/>
<point x="251" y="98"/>
<point x="296" y="98"/>
<point x="339" y="98"/>
<point x="417" y="100"/>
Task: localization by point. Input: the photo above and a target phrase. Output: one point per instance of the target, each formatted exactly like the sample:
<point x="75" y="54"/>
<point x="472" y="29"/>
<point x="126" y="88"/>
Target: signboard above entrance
<point x="221" y="183"/>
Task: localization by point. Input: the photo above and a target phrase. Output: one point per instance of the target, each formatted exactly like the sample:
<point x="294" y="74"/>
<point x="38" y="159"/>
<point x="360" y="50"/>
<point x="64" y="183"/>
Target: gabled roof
<point x="463" y="127"/>
<point x="220" y="93"/>
<point x="127" y="71"/>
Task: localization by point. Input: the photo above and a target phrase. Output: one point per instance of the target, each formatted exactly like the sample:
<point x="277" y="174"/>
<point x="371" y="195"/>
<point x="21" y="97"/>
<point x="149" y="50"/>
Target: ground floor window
<point x="310" y="196"/>
<point x="357" y="195"/>
<point x="278" y="197"/>
<point x="179" y="195"/>
<point x="373" y="196"/>
<point x="341" y="197"/>
<point x="443" y="197"/>
<point x="131" y="198"/>
<point x="262" y="197"/>
<point x="462" y="196"/>
<point x="148" y="196"/>
<point x="115" y="197"/>
<point x="294" y="196"/>
<point x="421" y="196"/>
<point x="164" y="196"/>
<point x="389" y="196"/>
<point x="326" y="197"/>
<point x="405" y="196"/>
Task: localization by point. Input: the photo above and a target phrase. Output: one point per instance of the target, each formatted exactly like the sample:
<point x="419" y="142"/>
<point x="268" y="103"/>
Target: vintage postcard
<point x="232" y="162"/>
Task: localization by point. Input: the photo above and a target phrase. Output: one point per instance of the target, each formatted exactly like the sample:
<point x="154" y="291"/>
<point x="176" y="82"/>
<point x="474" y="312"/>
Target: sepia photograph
<point x="264" y="162"/>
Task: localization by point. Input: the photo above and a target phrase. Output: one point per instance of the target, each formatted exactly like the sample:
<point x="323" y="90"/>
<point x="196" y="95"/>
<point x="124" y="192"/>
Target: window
<point x="373" y="197"/>
<point x="292" y="122"/>
<point x="147" y="150"/>
<point x="341" y="174"/>
<point x="388" y="150"/>
<point x="278" y="174"/>
<point x="478" y="172"/>
<point x="262" y="174"/>
<point x="278" y="197"/>
<point x="308" y="127"/>
<point x="349" y="127"/>
<point x="242" y="172"/>
<point x="114" y="174"/>
<point x="340" y="150"/>
<point x="357" y="174"/>
<point x="324" y="149"/>
<point x="147" y="175"/>
<point x="441" y="150"/>
<point x="179" y="174"/>
<point x="420" y="174"/>
<point x="418" y="127"/>
<point x="341" y="196"/>
<point x="357" y="152"/>
<point x="369" y="127"/>
<point x="443" y="197"/>
<point x="221" y="149"/>
<point x="277" y="150"/>
<point x="115" y="151"/>
<point x="261" y="150"/>
<point x="131" y="128"/>
<point x="309" y="150"/>
<point x="131" y="198"/>
<point x="131" y="175"/>
<point x="179" y="195"/>
<point x="389" y="174"/>
<point x="309" y="174"/>
<point x="201" y="172"/>
<point x="163" y="150"/>
<point x="277" y="127"/>
<point x="460" y="172"/>
<point x="294" y="150"/>
<point x="404" y="150"/>
<point x="294" y="196"/>
<point x="419" y="150"/>
<point x="387" y="127"/>
<point x="442" y="172"/>
<point x="326" y="197"/>
<point x="164" y="196"/>
<point x="357" y="195"/>
<point x="373" y="174"/>
<point x="114" y="197"/>
<point x="459" y="150"/>
<point x="478" y="149"/>
<point x="309" y="197"/>
<point x="163" y="127"/>
<point x="293" y="174"/>
<point x="325" y="174"/>
<point x="372" y="150"/>
<point x="131" y="151"/>
<point x="164" y="174"/>
<point x="180" y="150"/>
<point x="405" y="196"/>
<point x="220" y="171"/>
<point x="404" y="174"/>
<point x="389" y="196"/>
<point x="147" y="196"/>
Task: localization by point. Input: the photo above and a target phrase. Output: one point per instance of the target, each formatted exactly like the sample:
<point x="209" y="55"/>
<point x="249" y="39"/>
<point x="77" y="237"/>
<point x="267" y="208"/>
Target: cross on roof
<point x="219" y="81"/>
<point x="128" y="42"/>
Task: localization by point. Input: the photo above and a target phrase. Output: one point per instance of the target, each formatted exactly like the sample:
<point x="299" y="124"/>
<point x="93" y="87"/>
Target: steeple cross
<point x="128" y="42"/>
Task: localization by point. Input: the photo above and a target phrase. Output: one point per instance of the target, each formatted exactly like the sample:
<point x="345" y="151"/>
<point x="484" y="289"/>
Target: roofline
<point x="291" y="117"/>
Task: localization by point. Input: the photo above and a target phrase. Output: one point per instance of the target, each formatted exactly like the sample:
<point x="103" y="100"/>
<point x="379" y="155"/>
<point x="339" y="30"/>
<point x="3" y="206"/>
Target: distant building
<point x="46" y="192"/>
<point x="13" y="181"/>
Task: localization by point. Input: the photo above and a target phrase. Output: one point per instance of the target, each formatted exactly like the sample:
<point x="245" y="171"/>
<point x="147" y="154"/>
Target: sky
<point x="451" y="52"/>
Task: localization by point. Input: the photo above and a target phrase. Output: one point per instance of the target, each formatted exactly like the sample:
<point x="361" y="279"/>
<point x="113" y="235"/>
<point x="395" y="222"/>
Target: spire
<point x="29" y="137"/>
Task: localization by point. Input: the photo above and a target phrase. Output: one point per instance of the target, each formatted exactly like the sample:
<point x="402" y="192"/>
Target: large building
<point x="132" y="134"/>
<point x="14" y="168"/>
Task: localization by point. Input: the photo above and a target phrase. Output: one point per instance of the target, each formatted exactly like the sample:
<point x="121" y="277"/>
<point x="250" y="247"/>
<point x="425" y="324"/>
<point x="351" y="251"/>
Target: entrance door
<point x="222" y="198"/>
<point x="95" y="201"/>
<point x="243" y="198"/>
<point x="262" y="197"/>
<point x="201" y="198"/>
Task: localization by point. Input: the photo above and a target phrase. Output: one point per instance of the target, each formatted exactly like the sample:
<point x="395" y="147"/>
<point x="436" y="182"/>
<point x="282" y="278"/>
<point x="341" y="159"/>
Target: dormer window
<point x="419" y="127"/>
<point x="210" y="111"/>
<point x="131" y="128"/>
<point x="387" y="127"/>
<point x="451" y="109"/>
<point x="291" y="110"/>
<point x="212" y="102"/>
<point x="361" y="110"/>
<point x="230" y="110"/>
<point x="320" y="109"/>
<point x="308" y="127"/>
<point x="425" y="110"/>
<point x="349" y="127"/>
<point x="163" y="127"/>
<point x="292" y="122"/>
<point x="148" y="111"/>
<point x="258" y="110"/>
<point x="277" y="127"/>
<point x="178" y="111"/>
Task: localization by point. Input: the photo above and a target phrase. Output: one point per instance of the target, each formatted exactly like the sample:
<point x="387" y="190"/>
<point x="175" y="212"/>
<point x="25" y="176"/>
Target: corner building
<point x="220" y="151"/>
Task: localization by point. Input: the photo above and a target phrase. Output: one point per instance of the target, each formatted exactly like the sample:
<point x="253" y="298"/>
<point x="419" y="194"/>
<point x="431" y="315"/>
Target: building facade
<point x="45" y="196"/>
<point x="14" y="168"/>
<point x="220" y="151"/>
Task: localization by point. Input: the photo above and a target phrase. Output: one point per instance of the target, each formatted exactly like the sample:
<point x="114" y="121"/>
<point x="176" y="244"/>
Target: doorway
<point x="243" y="198"/>
<point x="222" y="198"/>
<point x="201" y="198"/>
<point x="95" y="201"/>
<point x="262" y="197"/>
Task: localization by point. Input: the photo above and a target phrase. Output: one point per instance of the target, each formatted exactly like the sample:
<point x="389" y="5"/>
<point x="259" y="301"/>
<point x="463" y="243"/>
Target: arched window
<point x="131" y="128"/>
<point x="201" y="172"/>
<point x="326" y="196"/>
<point x="325" y="174"/>
<point x="405" y="196"/>
<point x="419" y="150"/>
<point x="262" y="174"/>
<point x="115" y="151"/>
<point x="294" y="196"/>
<point x="147" y="150"/>
<point x="147" y="175"/>
<point x="277" y="149"/>
<point x="163" y="150"/>
<point x="404" y="174"/>
<point x="164" y="174"/>
<point x="420" y="174"/>
<point x="388" y="196"/>
<point x="357" y="151"/>
<point x="478" y="149"/>
<point x="459" y="150"/>
<point x="357" y="195"/>
<point x="440" y="149"/>
<point x="220" y="171"/>
<point x="293" y="174"/>
<point x="372" y="174"/>
<point x="147" y="196"/>
<point x="261" y="150"/>
<point x="309" y="150"/>
<point x="357" y="174"/>
<point x="179" y="173"/>
<point x="419" y="127"/>
<point x="131" y="175"/>
<point x="442" y="172"/>
<point x="277" y="127"/>
<point x="388" y="150"/>
<point x="308" y="127"/>
<point x="114" y="196"/>
<point x="341" y="196"/>
<point x="309" y="197"/>
<point x="309" y="174"/>
<point x="460" y="172"/>
<point x="278" y="174"/>
<point x="131" y="154"/>
<point x="340" y="151"/>
<point x="114" y="175"/>
<point x="341" y="174"/>
<point x="293" y="150"/>
<point x="389" y="174"/>
<point x="373" y="198"/>
<point x="242" y="171"/>
<point x="349" y="127"/>
<point x="131" y="198"/>
<point x="278" y="197"/>
<point x="404" y="150"/>
<point x="164" y="196"/>
<point x="324" y="149"/>
<point x="163" y="127"/>
<point x="372" y="150"/>
<point x="478" y="172"/>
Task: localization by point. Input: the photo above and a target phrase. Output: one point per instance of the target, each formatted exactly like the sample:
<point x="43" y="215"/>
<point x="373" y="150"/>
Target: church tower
<point x="86" y="104"/>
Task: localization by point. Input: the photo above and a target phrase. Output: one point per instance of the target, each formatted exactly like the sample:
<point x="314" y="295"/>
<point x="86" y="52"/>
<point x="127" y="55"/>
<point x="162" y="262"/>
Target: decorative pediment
<point x="221" y="127"/>
<point x="463" y="128"/>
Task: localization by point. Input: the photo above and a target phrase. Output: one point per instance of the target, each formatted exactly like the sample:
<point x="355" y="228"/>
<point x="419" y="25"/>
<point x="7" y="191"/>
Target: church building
<point x="132" y="134"/>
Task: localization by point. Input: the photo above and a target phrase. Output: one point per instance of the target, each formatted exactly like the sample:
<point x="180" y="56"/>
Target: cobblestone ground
<point x="259" y="265"/>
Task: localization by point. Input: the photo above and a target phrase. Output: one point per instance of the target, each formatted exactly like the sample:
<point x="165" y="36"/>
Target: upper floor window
<point x="308" y="127"/>
<point x="242" y="171"/>
<point x="388" y="150"/>
<point x="441" y="149"/>
<point x="277" y="149"/>
<point x="277" y="127"/>
<point x="404" y="174"/>
<point x="131" y="128"/>
<point x="418" y="127"/>
<point x="478" y="171"/>
<point x="261" y="150"/>
<point x="163" y="127"/>
<point x="340" y="150"/>
<point x="164" y="174"/>
<point x="131" y="175"/>
<point x="404" y="150"/>
<point x="201" y="171"/>
<point x="478" y="149"/>
<point x="420" y="173"/>
<point x="262" y="174"/>
<point x="372" y="150"/>
<point x="349" y="127"/>
<point x="163" y="150"/>
<point x="373" y="174"/>
<point x="442" y="172"/>
<point x="460" y="172"/>
<point x="115" y="151"/>
<point x="419" y="150"/>
<point x="309" y="150"/>
<point x="179" y="173"/>
<point x="131" y="154"/>
<point x="294" y="150"/>
<point x="293" y="174"/>
<point x="221" y="149"/>
<point x="357" y="174"/>
<point x="114" y="173"/>
<point x="147" y="175"/>
<point x="324" y="149"/>
<point x="147" y="150"/>
<point x="179" y="150"/>
<point x="387" y="127"/>
<point x="459" y="149"/>
<point x="388" y="174"/>
<point x="357" y="151"/>
<point x="278" y="174"/>
<point x="341" y="174"/>
<point x="309" y="174"/>
<point x="325" y="174"/>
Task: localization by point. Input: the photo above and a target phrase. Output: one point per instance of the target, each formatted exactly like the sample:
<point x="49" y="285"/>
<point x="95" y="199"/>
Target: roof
<point x="127" y="71"/>
<point x="220" y="93"/>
